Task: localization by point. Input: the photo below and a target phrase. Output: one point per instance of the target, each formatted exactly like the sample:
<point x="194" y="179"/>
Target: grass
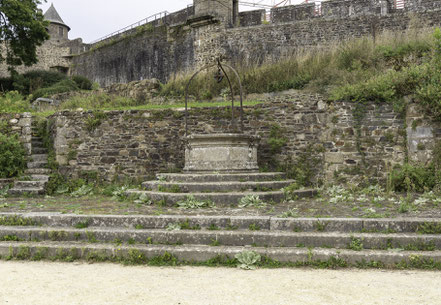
<point x="136" y="257"/>
<point x="383" y="70"/>
<point x="13" y="102"/>
<point x="16" y="220"/>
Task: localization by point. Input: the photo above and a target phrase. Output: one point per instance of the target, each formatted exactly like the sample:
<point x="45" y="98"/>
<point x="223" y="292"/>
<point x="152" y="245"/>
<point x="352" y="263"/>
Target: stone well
<point x="225" y="152"/>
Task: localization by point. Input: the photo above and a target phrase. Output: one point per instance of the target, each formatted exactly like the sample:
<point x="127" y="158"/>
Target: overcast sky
<point x="93" y="19"/>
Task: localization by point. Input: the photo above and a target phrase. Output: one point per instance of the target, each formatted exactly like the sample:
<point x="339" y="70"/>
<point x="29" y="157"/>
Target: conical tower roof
<point x="52" y="16"/>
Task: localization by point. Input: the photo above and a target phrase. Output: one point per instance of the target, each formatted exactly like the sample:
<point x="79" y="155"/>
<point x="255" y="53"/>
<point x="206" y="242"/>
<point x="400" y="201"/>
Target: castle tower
<point x="57" y="29"/>
<point x="226" y="11"/>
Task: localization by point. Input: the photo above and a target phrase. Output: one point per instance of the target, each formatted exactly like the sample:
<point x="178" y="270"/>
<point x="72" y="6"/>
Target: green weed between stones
<point x="356" y="244"/>
<point x="82" y="224"/>
<point x="10" y="238"/>
<point x="136" y="257"/>
<point x="429" y="228"/>
<point x="16" y="220"/>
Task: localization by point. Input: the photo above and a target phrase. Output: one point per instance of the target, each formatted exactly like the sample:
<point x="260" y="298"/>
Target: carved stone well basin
<point x="224" y="152"/>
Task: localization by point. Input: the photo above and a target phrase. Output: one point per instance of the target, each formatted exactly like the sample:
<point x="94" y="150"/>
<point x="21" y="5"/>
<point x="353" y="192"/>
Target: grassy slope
<point x="359" y="70"/>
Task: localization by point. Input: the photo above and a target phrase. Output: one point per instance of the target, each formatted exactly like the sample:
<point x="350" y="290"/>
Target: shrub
<point x="82" y="82"/>
<point x="13" y="102"/>
<point x="6" y="84"/>
<point x="66" y="85"/>
<point x="12" y="156"/>
<point x="31" y="81"/>
<point x="410" y="177"/>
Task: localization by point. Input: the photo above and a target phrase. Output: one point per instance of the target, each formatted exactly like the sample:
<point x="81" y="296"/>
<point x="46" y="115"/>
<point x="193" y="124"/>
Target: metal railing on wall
<point x="149" y="19"/>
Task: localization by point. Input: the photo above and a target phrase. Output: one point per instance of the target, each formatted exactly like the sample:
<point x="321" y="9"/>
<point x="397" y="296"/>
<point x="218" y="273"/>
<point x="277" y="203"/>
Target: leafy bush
<point x="13" y="102"/>
<point x="408" y="178"/>
<point x="12" y="156"/>
<point x="306" y="166"/>
<point x="31" y="81"/>
<point x="66" y="85"/>
<point x="82" y="82"/>
<point x="6" y="84"/>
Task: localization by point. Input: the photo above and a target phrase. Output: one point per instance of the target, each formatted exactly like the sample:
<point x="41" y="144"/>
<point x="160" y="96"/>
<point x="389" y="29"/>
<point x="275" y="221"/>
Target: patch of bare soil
<point x="340" y="203"/>
<point x="43" y="283"/>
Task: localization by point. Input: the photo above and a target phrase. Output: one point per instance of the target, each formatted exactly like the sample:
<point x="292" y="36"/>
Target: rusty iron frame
<point x="221" y="70"/>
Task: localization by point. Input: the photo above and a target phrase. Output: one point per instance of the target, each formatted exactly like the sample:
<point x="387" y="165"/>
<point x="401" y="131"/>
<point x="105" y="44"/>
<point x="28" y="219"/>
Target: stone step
<point x="354" y="241"/>
<point x="39" y="157"/>
<point x="30" y="184"/>
<point x="37" y="171"/>
<point x="37" y="144"/>
<point x="39" y="150"/>
<point x="37" y="164"/>
<point x="222" y="199"/>
<point x="219" y="177"/>
<point x="192" y="187"/>
<point x="198" y="253"/>
<point x="44" y="178"/>
<point x="348" y="225"/>
<point x="15" y="191"/>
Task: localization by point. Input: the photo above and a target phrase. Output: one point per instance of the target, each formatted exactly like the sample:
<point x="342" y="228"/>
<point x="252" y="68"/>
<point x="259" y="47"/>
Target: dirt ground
<point x="35" y="283"/>
<point x="323" y="206"/>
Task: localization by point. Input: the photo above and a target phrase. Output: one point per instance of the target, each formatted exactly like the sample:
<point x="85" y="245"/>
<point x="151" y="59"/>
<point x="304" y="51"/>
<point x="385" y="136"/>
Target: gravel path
<point x="23" y="283"/>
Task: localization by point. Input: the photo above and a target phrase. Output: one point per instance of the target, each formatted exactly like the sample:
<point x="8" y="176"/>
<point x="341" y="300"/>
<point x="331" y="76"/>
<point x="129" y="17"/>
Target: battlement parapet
<point x="251" y="18"/>
<point x="292" y="13"/>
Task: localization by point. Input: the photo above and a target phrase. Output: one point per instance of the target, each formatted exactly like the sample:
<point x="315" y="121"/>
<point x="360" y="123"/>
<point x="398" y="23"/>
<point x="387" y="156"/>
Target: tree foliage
<point x="22" y="30"/>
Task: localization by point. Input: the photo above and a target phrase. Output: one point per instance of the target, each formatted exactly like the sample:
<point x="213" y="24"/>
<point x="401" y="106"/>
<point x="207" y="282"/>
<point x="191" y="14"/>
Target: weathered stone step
<point x="37" y="145"/>
<point x="231" y="186"/>
<point x="352" y="241"/>
<point x="192" y="253"/>
<point x="37" y="164"/>
<point x="39" y="158"/>
<point x="37" y="171"/>
<point x="222" y="199"/>
<point x="15" y="191"/>
<point x="39" y="150"/>
<point x="29" y="184"/>
<point x="40" y="177"/>
<point x="349" y="225"/>
<point x="217" y="177"/>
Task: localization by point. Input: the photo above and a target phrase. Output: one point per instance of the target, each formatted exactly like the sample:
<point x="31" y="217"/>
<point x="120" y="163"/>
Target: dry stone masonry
<point x="139" y="144"/>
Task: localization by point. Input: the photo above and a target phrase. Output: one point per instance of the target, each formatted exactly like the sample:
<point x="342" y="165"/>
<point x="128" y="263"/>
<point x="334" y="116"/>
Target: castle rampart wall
<point x="156" y="53"/>
<point x="253" y="42"/>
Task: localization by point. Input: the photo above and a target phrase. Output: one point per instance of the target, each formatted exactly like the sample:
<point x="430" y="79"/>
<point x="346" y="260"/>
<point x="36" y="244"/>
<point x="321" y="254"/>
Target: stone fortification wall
<point x="270" y="43"/>
<point x="139" y="144"/>
<point x="155" y="53"/>
<point x="173" y="19"/>
<point x="51" y="55"/>
<point x="292" y="13"/>
<point x="251" y="18"/>
<point x="169" y="50"/>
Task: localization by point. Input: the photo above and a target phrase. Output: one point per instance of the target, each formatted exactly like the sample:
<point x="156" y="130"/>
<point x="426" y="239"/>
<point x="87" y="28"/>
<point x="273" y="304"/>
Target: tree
<point x="22" y="30"/>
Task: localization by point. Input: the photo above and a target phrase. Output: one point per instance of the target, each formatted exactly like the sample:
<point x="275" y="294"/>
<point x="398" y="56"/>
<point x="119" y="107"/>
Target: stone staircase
<point x="37" y="172"/>
<point x="327" y="242"/>
<point x="223" y="189"/>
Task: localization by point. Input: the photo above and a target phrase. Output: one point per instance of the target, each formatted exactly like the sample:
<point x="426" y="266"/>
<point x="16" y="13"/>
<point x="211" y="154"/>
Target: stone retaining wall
<point x="138" y="144"/>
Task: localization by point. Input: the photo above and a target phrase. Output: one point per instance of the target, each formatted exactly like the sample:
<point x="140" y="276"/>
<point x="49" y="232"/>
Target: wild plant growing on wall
<point x="12" y="156"/>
